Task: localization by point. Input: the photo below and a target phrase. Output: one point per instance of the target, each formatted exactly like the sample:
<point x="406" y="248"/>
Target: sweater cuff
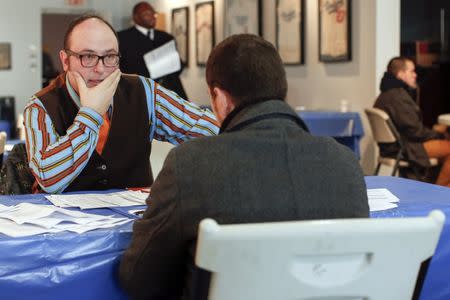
<point x="90" y="118"/>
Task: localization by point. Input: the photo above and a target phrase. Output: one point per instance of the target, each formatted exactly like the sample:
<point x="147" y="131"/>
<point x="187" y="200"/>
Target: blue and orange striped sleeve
<point x="56" y="161"/>
<point x="174" y="119"/>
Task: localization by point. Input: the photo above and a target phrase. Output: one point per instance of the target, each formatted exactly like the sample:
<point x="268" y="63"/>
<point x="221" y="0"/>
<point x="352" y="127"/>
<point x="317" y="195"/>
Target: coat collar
<point x="248" y="114"/>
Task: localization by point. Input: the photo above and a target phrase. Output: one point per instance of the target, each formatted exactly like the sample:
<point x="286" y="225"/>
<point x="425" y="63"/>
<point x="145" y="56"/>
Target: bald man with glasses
<point x="92" y="128"/>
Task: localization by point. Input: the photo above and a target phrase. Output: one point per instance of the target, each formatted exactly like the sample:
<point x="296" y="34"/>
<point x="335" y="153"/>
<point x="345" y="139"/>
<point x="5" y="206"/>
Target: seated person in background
<point x="264" y="166"/>
<point x="92" y="128"/>
<point x="397" y="99"/>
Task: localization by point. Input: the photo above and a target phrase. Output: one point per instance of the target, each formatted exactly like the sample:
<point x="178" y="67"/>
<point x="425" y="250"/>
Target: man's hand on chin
<point x="99" y="97"/>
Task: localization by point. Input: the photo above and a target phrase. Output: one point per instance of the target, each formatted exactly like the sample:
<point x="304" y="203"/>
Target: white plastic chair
<point x="376" y="259"/>
<point x="158" y="155"/>
<point x="20" y="127"/>
<point x="384" y="131"/>
<point x="3" y="137"/>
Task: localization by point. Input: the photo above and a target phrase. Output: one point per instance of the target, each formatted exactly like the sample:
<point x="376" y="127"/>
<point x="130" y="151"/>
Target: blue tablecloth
<point x="63" y="265"/>
<point x="71" y="266"/>
<point x="346" y="127"/>
<point x="417" y="199"/>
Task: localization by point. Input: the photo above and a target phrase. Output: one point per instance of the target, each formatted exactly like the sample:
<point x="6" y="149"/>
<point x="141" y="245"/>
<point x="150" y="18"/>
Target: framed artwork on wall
<point x="290" y="31"/>
<point x="204" y="29"/>
<point x="242" y="16"/>
<point x="335" y="30"/>
<point x="5" y="56"/>
<point x="180" y="31"/>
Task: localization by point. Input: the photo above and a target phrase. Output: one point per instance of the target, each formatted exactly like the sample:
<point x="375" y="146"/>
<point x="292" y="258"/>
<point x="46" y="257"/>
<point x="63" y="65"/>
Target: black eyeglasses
<point x="90" y="60"/>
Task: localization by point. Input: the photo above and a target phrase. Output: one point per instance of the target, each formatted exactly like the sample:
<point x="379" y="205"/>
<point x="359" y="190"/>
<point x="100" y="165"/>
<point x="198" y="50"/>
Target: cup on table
<point x="344" y="106"/>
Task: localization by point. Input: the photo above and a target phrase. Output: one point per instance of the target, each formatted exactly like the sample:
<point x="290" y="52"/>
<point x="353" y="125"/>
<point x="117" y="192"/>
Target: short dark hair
<point x="139" y="5"/>
<point x="249" y="68"/>
<point x="397" y="64"/>
<point x="80" y="20"/>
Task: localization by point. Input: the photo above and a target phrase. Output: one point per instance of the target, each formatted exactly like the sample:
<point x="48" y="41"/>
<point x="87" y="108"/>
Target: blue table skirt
<point x="346" y="128"/>
<point x="63" y="265"/>
<point x="72" y="266"/>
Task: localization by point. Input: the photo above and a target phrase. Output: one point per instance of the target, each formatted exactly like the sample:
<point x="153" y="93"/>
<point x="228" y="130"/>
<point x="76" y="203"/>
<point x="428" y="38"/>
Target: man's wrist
<point x="89" y="117"/>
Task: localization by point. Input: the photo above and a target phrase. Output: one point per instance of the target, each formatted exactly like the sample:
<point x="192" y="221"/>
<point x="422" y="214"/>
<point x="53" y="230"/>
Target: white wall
<point x="315" y="85"/>
<point x="20" y="25"/>
<point x="375" y="39"/>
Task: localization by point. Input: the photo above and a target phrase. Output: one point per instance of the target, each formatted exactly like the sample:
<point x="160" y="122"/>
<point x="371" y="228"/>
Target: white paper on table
<point x="82" y="229"/>
<point x="13" y="229"/>
<point x="381" y="199"/>
<point x="31" y="219"/>
<point x="163" y="60"/>
<point x="382" y="194"/>
<point x="89" y="201"/>
<point x="380" y="205"/>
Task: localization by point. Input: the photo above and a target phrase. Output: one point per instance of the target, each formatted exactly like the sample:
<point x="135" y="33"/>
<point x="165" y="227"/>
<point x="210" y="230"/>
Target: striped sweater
<point x="57" y="156"/>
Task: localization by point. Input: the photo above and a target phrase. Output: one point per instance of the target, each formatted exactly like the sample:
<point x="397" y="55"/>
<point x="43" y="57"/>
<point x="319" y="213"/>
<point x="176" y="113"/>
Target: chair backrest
<point x="375" y="259"/>
<point x="383" y="129"/>
<point x="3" y="137"/>
<point x="158" y="156"/>
<point x="20" y="127"/>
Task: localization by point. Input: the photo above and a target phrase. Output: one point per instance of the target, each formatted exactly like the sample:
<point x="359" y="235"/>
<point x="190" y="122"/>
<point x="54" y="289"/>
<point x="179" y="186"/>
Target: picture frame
<point x="180" y="31"/>
<point x="205" y="31"/>
<point x="5" y="56"/>
<point x="335" y="30"/>
<point x="290" y="28"/>
<point x="242" y="16"/>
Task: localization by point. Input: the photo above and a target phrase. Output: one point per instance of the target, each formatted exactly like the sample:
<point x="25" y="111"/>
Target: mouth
<point x="94" y="82"/>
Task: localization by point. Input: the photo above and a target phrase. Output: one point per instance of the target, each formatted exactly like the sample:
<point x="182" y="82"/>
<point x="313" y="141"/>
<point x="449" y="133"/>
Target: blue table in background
<point x="83" y="266"/>
<point x="346" y="127"/>
<point x="6" y="127"/>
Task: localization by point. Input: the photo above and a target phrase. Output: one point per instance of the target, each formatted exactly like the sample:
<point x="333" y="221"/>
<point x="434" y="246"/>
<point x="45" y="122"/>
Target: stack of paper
<point x="381" y="199"/>
<point x="29" y="219"/>
<point x="88" y="201"/>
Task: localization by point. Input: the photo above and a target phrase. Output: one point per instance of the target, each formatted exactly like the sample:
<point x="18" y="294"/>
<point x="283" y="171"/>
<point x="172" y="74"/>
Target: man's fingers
<point x="112" y="79"/>
<point x="78" y="79"/>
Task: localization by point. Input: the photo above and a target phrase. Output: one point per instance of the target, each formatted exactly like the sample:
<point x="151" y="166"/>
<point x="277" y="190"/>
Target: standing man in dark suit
<point x="264" y="166"/>
<point x="138" y="40"/>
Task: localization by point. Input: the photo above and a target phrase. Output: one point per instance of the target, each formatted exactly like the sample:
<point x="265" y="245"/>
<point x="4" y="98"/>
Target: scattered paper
<point x="381" y="199"/>
<point x="163" y="60"/>
<point x="26" y="219"/>
<point x="8" y="147"/>
<point x="89" y="201"/>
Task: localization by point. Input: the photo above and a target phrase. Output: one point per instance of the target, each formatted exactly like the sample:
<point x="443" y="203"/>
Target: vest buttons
<point x="104" y="181"/>
<point x="103" y="167"/>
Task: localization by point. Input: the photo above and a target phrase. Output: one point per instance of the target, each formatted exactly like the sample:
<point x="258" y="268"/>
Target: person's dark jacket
<point x="397" y="100"/>
<point x="132" y="47"/>
<point x="263" y="167"/>
<point x="15" y="175"/>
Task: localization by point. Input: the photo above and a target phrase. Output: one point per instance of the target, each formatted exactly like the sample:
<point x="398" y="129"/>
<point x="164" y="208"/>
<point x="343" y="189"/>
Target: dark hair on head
<point x="249" y="68"/>
<point x="80" y="20"/>
<point x="139" y="5"/>
<point x="397" y="64"/>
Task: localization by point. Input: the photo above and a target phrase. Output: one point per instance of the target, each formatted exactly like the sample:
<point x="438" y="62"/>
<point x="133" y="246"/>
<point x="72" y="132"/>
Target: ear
<point x="401" y="75"/>
<point x="221" y="102"/>
<point x="64" y="58"/>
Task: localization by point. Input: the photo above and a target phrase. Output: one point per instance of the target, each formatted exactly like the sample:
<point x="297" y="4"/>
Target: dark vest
<point x="125" y="159"/>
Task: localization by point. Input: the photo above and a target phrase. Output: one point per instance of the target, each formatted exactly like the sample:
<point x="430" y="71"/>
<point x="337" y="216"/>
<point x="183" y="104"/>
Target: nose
<point x="99" y="67"/>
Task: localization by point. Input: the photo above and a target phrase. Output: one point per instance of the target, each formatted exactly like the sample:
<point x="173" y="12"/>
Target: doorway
<point x="54" y="26"/>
